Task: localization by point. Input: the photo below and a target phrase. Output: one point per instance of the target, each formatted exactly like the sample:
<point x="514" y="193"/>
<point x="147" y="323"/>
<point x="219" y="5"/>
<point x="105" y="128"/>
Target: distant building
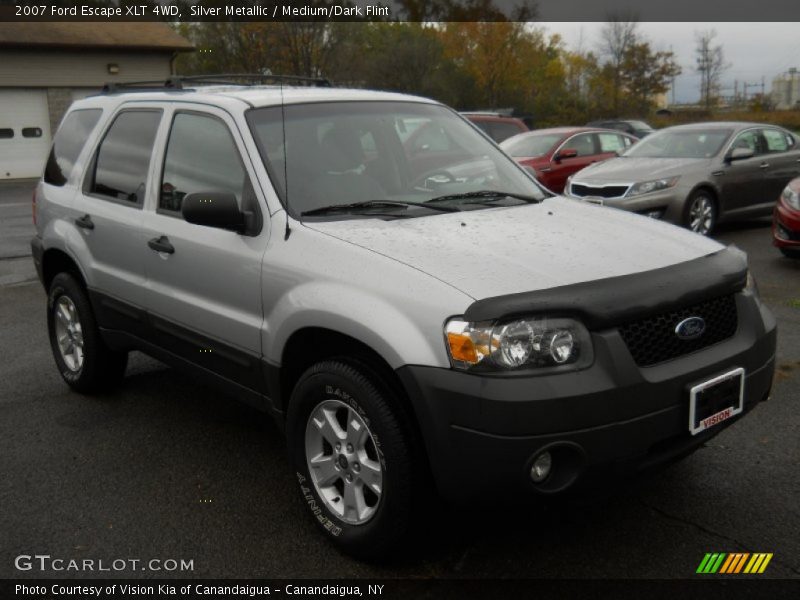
<point x="786" y="90"/>
<point x="44" y="67"/>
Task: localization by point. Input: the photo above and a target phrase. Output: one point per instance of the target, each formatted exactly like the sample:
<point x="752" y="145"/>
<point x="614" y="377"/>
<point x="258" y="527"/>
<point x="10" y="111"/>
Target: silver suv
<point x="406" y="301"/>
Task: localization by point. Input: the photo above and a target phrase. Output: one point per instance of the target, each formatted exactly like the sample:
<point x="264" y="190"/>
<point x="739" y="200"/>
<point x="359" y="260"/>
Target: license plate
<point x="594" y="200"/>
<point x="716" y="400"/>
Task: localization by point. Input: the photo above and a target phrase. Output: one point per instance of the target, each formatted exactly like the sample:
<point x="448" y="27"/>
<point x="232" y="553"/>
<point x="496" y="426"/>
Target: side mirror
<point x="740" y="154"/>
<point x="214" y="209"/>
<point x="566" y="153"/>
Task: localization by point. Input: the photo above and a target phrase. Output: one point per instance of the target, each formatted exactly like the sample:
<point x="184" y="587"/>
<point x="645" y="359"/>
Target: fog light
<point x="541" y="467"/>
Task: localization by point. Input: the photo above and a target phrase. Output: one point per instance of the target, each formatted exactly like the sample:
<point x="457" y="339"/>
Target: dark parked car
<point x="696" y="175"/>
<point x="555" y="154"/>
<point x="497" y="126"/>
<point x="786" y="220"/>
<point x="633" y="127"/>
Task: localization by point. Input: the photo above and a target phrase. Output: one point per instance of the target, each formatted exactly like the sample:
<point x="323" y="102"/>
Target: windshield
<point x="640" y="126"/>
<point x="687" y="143"/>
<point x="530" y="145"/>
<point x="339" y="153"/>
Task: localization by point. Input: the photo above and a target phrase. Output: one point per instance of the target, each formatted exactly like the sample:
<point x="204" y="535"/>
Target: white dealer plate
<point x="716" y="400"/>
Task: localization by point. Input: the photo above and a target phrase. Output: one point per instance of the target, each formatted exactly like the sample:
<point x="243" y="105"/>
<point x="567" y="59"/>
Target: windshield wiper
<point x="485" y="196"/>
<point x="367" y="204"/>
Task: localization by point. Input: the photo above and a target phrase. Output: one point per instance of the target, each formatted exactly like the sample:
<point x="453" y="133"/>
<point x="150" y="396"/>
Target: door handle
<point x="85" y="222"/>
<point x="763" y="165"/>
<point x="161" y="244"/>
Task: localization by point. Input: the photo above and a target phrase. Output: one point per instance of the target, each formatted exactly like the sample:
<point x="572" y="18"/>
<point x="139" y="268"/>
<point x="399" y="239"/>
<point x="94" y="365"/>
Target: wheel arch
<point x="55" y="261"/>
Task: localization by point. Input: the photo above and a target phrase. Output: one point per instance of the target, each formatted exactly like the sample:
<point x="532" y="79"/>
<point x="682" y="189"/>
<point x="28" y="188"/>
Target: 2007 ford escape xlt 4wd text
<point x="406" y="301"/>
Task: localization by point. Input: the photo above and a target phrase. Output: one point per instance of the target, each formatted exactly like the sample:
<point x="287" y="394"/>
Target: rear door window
<point x="611" y="142"/>
<point x="68" y="143"/>
<point x="777" y="141"/>
<point x="123" y="159"/>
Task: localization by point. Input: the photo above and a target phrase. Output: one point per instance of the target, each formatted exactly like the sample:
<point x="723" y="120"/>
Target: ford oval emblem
<point x="691" y="328"/>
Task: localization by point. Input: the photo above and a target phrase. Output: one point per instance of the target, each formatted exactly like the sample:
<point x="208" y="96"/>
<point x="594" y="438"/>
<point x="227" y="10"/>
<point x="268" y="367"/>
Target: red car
<point x="497" y="126"/>
<point x="786" y="220"/>
<point x="557" y="153"/>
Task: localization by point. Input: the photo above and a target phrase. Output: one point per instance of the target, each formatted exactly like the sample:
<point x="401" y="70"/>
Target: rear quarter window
<point x="68" y="143"/>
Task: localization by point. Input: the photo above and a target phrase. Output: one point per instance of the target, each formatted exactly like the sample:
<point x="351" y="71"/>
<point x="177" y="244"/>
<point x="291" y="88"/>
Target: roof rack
<point x="177" y="83"/>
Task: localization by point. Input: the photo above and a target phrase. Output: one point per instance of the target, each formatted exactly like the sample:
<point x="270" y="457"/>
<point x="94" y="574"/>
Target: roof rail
<point x="243" y="79"/>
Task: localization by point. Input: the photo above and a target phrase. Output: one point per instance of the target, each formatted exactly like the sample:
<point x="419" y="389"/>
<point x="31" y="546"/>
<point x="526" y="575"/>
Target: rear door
<point x="108" y="215"/>
<point x="204" y="296"/>
<point x="783" y="160"/>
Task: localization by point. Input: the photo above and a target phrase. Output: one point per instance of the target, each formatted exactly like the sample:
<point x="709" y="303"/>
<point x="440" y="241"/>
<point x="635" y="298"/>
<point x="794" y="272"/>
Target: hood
<point x="631" y="169"/>
<point x="507" y="250"/>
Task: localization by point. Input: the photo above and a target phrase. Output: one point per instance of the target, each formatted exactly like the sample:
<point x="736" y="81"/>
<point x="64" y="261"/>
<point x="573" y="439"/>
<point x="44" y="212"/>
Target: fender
<point x="393" y="333"/>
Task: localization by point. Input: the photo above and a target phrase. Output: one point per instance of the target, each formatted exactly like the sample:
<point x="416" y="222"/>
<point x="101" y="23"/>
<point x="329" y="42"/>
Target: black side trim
<point x="122" y="339"/>
<point x="128" y="326"/>
<point x="610" y="302"/>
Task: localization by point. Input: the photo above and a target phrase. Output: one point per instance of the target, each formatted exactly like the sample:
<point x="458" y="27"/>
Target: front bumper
<point x="668" y="202"/>
<point x="482" y="432"/>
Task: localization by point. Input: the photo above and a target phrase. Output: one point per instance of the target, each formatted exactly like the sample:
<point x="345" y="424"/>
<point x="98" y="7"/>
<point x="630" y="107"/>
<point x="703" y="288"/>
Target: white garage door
<point x="24" y="133"/>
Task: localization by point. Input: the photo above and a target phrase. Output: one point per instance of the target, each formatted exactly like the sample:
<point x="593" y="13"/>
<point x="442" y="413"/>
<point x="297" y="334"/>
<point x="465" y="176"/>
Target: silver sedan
<point x="696" y="175"/>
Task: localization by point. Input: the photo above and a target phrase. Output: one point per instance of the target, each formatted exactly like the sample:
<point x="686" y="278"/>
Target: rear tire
<point x="700" y="212"/>
<point x="346" y="425"/>
<point x="82" y="358"/>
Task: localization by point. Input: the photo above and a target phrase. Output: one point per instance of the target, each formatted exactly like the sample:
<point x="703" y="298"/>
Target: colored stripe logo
<point x="734" y="563"/>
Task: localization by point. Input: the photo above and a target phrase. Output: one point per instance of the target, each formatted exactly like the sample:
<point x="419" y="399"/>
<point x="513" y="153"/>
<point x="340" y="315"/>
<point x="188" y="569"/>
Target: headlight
<point x="518" y="343"/>
<point x="791" y="197"/>
<point x="656" y="185"/>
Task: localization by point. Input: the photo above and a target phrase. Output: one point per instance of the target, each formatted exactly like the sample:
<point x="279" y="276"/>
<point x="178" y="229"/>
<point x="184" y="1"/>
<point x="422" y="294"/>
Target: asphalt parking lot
<point x="164" y="468"/>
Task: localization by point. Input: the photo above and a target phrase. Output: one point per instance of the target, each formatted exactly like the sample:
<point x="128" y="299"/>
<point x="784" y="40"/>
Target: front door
<point x="204" y="290"/>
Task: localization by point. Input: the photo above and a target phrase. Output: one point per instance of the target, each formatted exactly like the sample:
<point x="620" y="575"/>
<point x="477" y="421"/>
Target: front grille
<point x="653" y="340"/>
<point x="608" y="191"/>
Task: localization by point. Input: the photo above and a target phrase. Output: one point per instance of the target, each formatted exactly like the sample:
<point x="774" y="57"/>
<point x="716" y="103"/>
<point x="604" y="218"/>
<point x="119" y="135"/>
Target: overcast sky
<point x="753" y="49"/>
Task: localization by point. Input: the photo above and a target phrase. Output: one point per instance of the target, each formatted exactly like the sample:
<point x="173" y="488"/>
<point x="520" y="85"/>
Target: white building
<point x="786" y="90"/>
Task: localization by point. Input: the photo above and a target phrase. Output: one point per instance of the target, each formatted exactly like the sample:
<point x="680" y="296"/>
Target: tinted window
<point x="124" y="156"/>
<point x="502" y="131"/>
<point x="32" y="132"/>
<point x="583" y="143"/>
<point x="201" y="157"/>
<point x="776" y="140"/>
<point x="750" y="139"/>
<point x="6" y="133"/>
<point x="68" y="143"/>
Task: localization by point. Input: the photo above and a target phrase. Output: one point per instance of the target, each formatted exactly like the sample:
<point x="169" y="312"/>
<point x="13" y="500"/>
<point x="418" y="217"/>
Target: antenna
<point x="288" y="230"/>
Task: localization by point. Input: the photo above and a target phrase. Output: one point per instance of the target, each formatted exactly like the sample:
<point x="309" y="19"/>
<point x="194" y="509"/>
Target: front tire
<point x="82" y="358"/>
<point x="700" y="213"/>
<point x="350" y="446"/>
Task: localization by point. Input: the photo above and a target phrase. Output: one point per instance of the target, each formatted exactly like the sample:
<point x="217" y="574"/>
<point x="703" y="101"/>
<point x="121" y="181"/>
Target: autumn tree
<point x="645" y="74"/>
<point x="711" y="65"/>
<point x="616" y="39"/>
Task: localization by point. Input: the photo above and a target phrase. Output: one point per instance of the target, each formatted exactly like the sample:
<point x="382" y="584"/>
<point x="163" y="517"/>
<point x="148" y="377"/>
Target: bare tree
<point x="711" y="65"/>
<point x="618" y="35"/>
